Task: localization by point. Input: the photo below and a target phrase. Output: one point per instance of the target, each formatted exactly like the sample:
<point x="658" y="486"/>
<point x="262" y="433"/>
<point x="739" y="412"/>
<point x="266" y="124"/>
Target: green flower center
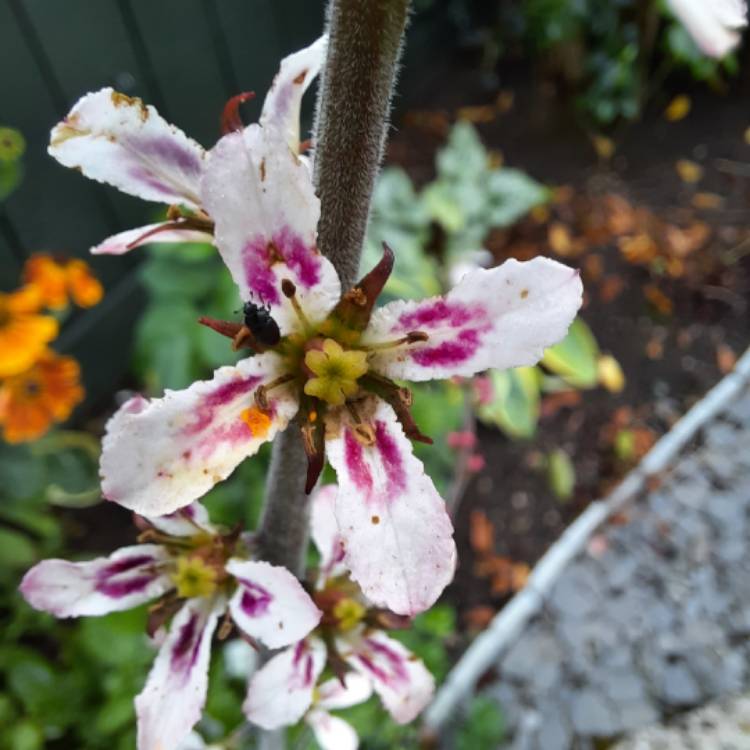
<point x="335" y="372"/>
<point x="194" y="577"/>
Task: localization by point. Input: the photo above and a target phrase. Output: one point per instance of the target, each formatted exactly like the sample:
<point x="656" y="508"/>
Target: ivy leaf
<point x="575" y="358"/>
<point x="515" y="406"/>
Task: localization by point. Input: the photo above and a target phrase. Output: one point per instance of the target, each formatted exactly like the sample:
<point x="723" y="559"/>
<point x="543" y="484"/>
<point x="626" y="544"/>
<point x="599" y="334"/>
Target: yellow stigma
<point x="335" y="372"/>
<point x="194" y="577"/>
<point x="348" y="614"/>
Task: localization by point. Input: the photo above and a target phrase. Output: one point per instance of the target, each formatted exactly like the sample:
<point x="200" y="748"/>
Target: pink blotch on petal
<point x="461" y="349"/>
<point x="392" y="462"/>
<point x="355" y="462"/>
<point x="220" y="397"/>
<point x="440" y="312"/>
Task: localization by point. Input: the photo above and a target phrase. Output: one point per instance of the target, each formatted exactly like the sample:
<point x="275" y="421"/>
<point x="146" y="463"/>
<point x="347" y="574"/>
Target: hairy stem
<point x="352" y="118"/>
<point x="356" y="88"/>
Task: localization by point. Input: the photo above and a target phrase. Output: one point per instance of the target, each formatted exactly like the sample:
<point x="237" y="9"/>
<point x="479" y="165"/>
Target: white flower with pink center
<point x="332" y="359"/>
<point x="119" y="140"/>
<point x="198" y="575"/>
<point x="350" y="638"/>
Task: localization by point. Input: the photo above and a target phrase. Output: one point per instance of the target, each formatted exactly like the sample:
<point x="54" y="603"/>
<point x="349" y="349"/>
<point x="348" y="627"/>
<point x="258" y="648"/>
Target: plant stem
<point x="357" y="82"/>
<point x="356" y="88"/>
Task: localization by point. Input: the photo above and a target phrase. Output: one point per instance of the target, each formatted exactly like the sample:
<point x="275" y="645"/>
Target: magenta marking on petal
<point x="392" y="461"/>
<point x="396" y="673"/>
<point x="303" y="260"/>
<point x="255" y="599"/>
<point x="259" y="276"/>
<point x="308" y="678"/>
<point x="450" y="353"/>
<point x="260" y="255"/>
<point x="186" y="647"/>
<point x="439" y="311"/>
<point x="147" y="178"/>
<point x="223" y="395"/>
<point x="355" y="463"/>
<point x="168" y="151"/>
<point x="116" y="589"/>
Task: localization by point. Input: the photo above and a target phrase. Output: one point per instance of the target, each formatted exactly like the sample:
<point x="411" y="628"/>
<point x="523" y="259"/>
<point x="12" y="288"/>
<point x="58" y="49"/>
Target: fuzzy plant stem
<point x="365" y="38"/>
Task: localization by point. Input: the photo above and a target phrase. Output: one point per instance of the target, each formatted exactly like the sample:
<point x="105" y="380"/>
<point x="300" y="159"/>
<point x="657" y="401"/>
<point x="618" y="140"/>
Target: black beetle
<point x="263" y="327"/>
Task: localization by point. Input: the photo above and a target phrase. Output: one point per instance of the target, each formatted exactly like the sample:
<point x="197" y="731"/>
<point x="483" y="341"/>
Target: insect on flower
<point x="260" y="323"/>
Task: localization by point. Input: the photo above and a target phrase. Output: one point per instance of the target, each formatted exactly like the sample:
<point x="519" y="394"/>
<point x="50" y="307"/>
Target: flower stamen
<point x="290" y="292"/>
<point x="412" y="337"/>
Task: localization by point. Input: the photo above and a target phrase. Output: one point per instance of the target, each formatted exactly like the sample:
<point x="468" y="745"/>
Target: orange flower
<point x="24" y="333"/>
<point x="45" y="393"/>
<point x="59" y="280"/>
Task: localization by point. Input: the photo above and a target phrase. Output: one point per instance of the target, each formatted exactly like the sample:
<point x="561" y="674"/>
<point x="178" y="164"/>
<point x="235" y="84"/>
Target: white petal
<point x="281" y="691"/>
<point x="172" y="701"/>
<point x="399" y="678"/>
<point x="331" y="732"/>
<point x="119" y="140"/>
<point x="281" y="109"/>
<point x="122" y="243"/>
<point x="159" y="455"/>
<point x="397" y="534"/>
<point x="332" y="694"/>
<point x="497" y="318"/>
<point x="715" y="25"/>
<point x="325" y="532"/>
<point x="189" y="521"/>
<point x="270" y="603"/>
<point x="128" y="577"/>
<point x="261" y="197"/>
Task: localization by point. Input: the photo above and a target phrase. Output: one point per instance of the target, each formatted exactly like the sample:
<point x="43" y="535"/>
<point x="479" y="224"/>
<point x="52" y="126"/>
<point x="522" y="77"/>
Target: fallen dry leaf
<point x="604" y="147"/>
<point x="477" y="114"/>
<point x="620" y="214"/>
<point x="707" y="201"/>
<point x="678" y="108"/>
<point x="688" y="171"/>
<point x="682" y="242"/>
<point x="747" y="136"/>
<point x="593" y="267"/>
<point x="504" y="101"/>
<point x="559" y="239"/>
<point x="658" y="299"/>
<point x="553" y="402"/>
<point x="611" y="288"/>
<point x="725" y="358"/>
<point x="611" y="375"/>
<point x="479" y="617"/>
<point x="481" y="532"/>
<point x="654" y="348"/>
<point x="638" y="249"/>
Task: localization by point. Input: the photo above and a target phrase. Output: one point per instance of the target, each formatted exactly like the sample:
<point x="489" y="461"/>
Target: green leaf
<point x="561" y="474"/>
<point x="11" y="174"/>
<point x="515" y="406"/>
<point x="22" y="475"/>
<point x="181" y="278"/>
<point x="442" y="204"/>
<point x="164" y="347"/>
<point x="16" y="551"/>
<point x="464" y="156"/>
<point x="575" y="358"/>
<point x="26" y="735"/>
<point x="484" y="726"/>
<point x="512" y="194"/>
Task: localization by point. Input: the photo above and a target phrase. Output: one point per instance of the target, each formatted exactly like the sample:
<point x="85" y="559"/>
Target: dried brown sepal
<point x="162" y="611"/>
<point x="224" y="327"/>
<point x="400" y="400"/>
<point x="355" y="307"/>
<point x="313" y="438"/>
<point x="230" y="116"/>
<point x="384" y="619"/>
